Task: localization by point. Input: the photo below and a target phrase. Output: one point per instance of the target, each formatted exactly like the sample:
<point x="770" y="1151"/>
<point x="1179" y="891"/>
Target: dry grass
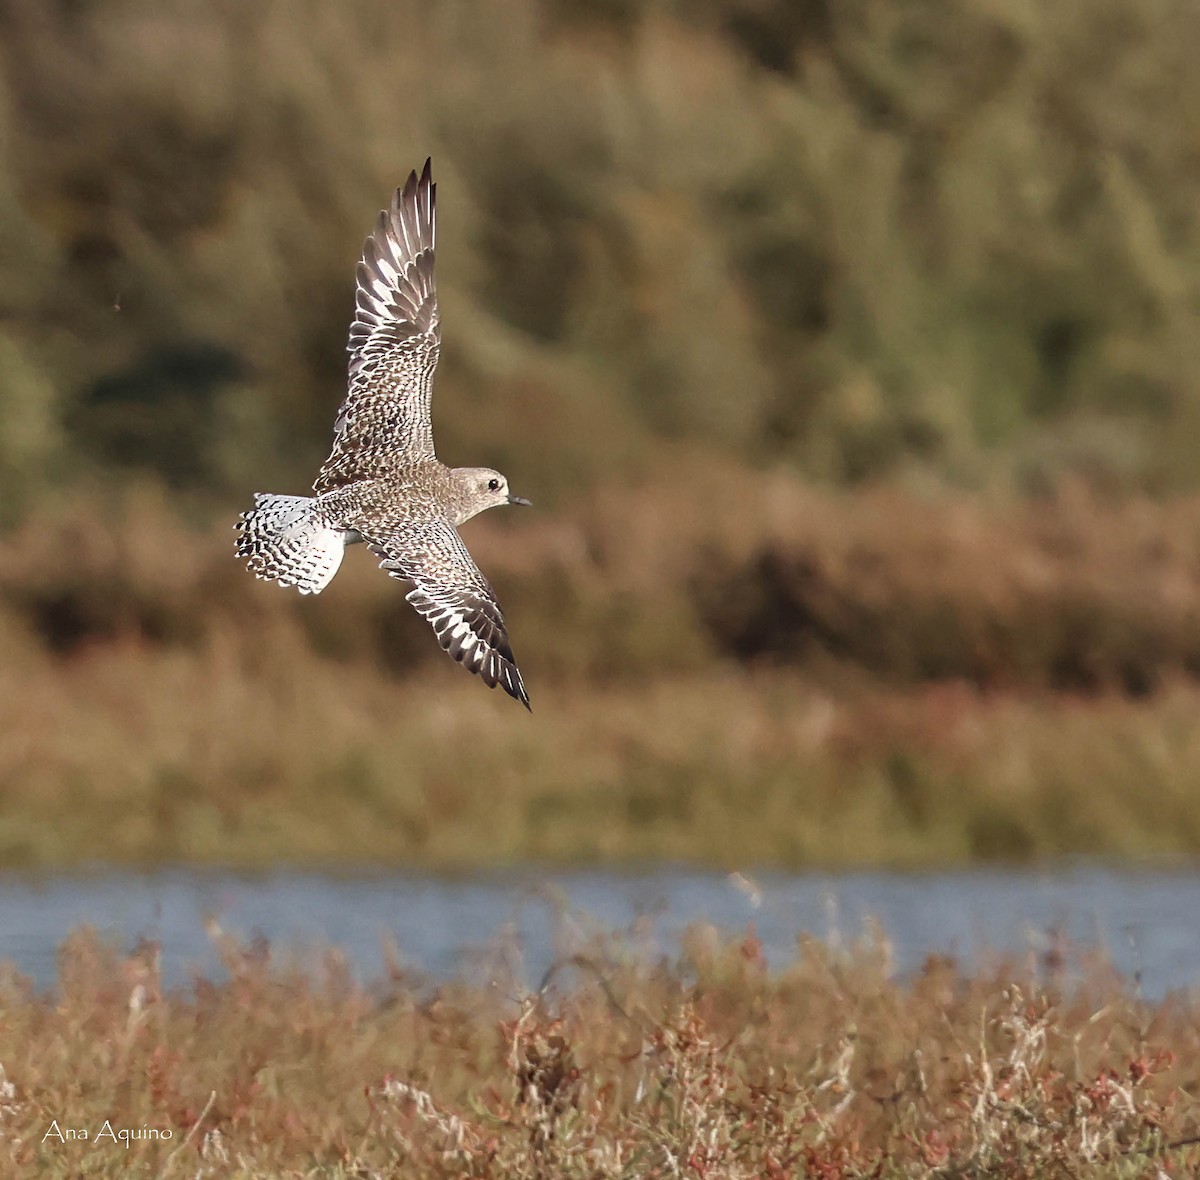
<point x="618" y="1066"/>
<point x="786" y="677"/>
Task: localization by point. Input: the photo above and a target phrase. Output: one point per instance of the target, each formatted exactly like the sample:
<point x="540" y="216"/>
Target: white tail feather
<point x="284" y="538"/>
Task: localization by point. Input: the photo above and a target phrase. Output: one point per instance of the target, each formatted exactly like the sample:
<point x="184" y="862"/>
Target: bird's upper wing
<point x="393" y="342"/>
<point x="452" y="593"/>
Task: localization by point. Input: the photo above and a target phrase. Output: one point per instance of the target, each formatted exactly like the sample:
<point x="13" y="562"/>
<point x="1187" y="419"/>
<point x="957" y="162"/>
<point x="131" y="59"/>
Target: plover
<point x="383" y="483"/>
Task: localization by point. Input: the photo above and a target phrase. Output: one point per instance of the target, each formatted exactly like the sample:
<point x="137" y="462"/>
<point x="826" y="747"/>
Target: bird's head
<point x="482" y="488"/>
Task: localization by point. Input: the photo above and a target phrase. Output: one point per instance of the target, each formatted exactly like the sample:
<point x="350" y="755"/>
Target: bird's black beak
<point x="520" y="500"/>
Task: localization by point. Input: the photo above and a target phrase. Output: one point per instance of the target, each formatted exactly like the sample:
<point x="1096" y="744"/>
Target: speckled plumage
<point x="382" y="482"/>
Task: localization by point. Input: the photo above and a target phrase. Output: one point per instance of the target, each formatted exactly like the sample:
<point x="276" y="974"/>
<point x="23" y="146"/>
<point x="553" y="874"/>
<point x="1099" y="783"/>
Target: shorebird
<point x="383" y="483"/>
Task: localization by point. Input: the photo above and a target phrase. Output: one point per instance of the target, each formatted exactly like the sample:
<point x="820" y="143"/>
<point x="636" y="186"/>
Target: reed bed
<point x="793" y="678"/>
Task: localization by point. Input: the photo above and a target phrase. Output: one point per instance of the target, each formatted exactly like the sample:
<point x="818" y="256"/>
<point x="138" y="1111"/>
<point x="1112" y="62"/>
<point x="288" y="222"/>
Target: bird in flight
<point x="383" y="483"/>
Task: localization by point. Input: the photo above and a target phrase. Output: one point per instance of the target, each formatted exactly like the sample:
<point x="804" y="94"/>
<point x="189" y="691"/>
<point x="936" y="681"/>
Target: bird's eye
<point x="493" y="485"/>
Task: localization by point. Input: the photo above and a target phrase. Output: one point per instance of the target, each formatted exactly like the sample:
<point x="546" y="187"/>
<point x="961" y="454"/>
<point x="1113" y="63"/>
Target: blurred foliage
<point x="861" y="238"/>
<point x="847" y="350"/>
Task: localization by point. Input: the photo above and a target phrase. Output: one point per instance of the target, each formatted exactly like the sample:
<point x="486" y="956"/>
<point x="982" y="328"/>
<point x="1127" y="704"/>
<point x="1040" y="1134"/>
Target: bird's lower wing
<point x="450" y="591"/>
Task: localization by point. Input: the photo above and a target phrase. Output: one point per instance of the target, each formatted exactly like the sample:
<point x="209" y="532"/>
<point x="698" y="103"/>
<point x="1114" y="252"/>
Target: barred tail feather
<point x="284" y="538"/>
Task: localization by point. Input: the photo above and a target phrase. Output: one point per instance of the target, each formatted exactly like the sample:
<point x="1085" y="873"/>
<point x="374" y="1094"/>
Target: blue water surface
<point x="1147" y="923"/>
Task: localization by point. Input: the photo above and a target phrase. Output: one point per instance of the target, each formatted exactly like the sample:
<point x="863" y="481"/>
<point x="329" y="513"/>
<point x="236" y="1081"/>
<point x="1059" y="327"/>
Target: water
<point x="1147" y="923"/>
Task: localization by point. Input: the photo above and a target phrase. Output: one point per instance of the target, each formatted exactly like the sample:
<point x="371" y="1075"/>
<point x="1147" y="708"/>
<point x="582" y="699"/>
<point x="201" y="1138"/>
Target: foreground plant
<point x="711" y="1066"/>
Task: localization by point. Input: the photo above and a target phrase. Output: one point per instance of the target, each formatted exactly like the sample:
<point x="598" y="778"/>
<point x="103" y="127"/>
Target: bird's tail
<point x="285" y="538"/>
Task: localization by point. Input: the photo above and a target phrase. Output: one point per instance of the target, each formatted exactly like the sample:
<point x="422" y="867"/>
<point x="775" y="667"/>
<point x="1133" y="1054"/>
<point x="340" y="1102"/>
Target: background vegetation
<point x="848" y="351"/>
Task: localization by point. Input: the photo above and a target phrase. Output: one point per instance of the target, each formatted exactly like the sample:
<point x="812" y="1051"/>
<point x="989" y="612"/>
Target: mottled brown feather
<point x="393" y="345"/>
<point x="451" y="592"/>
